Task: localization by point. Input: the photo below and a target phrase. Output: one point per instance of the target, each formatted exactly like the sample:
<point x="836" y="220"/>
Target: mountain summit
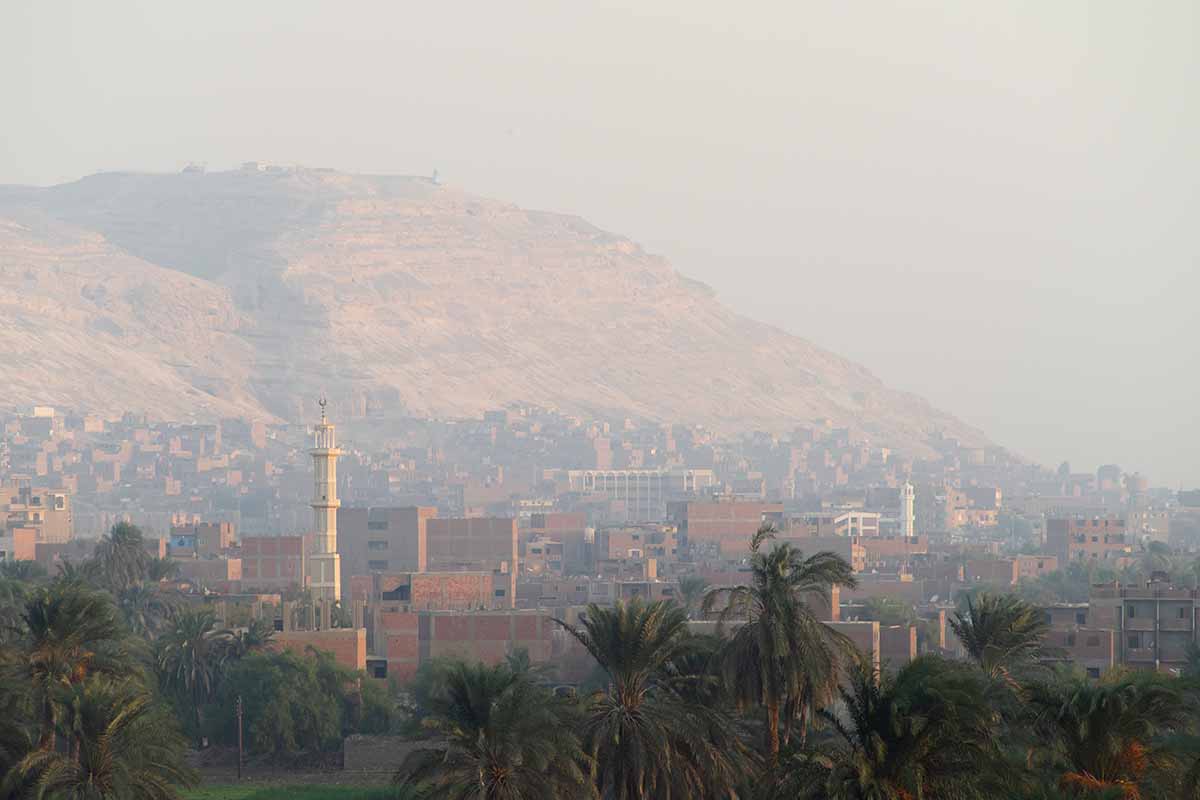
<point x="248" y="292"/>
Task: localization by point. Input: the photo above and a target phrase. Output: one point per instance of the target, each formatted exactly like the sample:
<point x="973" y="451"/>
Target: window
<point x="1132" y="612"/>
<point x="581" y="588"/>
<point x="1093" y="672"/>
<point x="500" y="593"/>
<point x="1095" y="538"/>
<point x="1070" y="640"/>
<point x="377" y="525"/>
<point x="668" y="592"/>
<point x="1093" y="641"/>
<point x="1133" y="643"/>
<point x="1183" y="612"/>
<point x="377" y="545"/>
<point x="1081" y="617"/>
<point x="377" y="566"/>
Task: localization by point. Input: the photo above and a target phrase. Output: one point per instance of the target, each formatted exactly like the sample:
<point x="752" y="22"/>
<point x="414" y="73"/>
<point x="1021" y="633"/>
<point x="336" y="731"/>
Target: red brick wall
<point x="348" y="645"/>
<point x="451" y="591"/>
<point x="730" y="525"/>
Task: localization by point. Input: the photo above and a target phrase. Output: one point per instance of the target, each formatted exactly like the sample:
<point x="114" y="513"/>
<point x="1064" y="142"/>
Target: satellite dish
<point x="933" y="599"/>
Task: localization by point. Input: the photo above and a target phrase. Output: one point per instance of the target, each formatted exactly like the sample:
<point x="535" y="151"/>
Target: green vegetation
<point x="260" y="792"/>
<point x="106" y="674"/>
<point x="781" y="658"/>
<point x="106" y="677"/>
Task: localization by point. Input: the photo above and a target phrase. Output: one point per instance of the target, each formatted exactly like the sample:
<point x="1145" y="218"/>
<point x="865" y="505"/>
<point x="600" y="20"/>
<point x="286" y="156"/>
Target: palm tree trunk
<point x="773" y="731"/>
<point x="46" y="740"/>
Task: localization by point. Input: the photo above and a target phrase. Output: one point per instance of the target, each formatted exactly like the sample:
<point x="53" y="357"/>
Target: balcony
<point x="1140" y="654"/>
<point x="1175" y="624"/>
<point x="1139" y="623"/>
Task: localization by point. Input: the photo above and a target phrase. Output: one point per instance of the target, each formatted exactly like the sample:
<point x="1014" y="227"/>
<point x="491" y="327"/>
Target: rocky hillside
<point x="248" y="292"/>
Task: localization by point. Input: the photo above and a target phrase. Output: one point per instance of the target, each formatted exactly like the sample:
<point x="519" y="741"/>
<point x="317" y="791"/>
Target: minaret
<point x="325" y="564"/>
<point x="907" y="519"/>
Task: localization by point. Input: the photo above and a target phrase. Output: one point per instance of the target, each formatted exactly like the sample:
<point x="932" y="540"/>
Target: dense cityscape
<point x="411" y="545"/>
<point x="599" y="401"/>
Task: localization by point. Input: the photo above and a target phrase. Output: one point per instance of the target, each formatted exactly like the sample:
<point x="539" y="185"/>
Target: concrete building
<point x="1155" y="622"/>
<point x="383" y="540"/>
<point x="644" y="492"/>
<point x="44" y="511"/>
<point x="854" y="522"/>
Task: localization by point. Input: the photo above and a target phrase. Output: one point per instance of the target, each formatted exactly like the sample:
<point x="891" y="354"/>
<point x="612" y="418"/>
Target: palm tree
<point x="18" y="735"/>
<point x="12" y="604"/>
<point x="71" y="634"/>
<point x="27" y="571"/>
<point x="926" y="731"/>
<point x="1001" y="633"/>
<point x="145" y="608"/>
<point x="122" y="558"/>
<point x="190" y="655"/>
<point x="254" y="638"/>
<point x="122" y="746"/>
<point x="81" y="574"/>
<point x="1104" y="736"/>
<point x="161" y="569"/>
<point x="645" y="738"/>
<point x="691" y="594"/>
<point x="781" y="656"/>
<point x="503" y="737"/>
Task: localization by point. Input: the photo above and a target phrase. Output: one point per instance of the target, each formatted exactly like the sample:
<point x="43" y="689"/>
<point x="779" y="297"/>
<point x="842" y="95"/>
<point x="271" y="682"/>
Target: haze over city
<point x="568" y="401"/>
<point x="988" y="206"/>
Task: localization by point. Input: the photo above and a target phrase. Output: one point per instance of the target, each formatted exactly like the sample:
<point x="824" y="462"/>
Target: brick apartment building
<point x="275" y="563"/>
<point x="201" y="539"/>
<point x="570" y="529"/>
<point x="475" y="544"/>
<point x="723" y="528"/>
<point x="1087" y="538"/>
<point x="973" y="506"/>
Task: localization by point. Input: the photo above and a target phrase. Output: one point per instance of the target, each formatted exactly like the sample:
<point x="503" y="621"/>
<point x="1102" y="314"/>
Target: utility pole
<point x="239" y="723"/>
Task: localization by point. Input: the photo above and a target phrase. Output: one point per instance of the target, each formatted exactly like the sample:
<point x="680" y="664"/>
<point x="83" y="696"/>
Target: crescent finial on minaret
<point x="322" y="403"/>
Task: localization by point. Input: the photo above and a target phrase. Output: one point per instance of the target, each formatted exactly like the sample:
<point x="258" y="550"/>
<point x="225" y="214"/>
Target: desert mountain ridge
<point x="248" y="292"/>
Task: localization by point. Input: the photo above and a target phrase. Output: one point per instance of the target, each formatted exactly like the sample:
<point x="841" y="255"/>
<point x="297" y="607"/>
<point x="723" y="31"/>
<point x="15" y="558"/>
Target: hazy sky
<point x="994" y="205"/>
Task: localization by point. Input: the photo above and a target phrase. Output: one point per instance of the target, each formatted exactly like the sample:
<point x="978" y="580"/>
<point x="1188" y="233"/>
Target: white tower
<point x="907" y="520"/>
<point x="325" y="567"/>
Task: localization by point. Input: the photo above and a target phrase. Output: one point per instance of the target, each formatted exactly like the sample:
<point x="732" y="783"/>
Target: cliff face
<point x="248" y="292"/>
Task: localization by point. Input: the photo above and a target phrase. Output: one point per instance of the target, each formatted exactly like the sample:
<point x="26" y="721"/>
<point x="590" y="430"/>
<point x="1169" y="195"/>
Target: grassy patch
<point x="261" y="792"/>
